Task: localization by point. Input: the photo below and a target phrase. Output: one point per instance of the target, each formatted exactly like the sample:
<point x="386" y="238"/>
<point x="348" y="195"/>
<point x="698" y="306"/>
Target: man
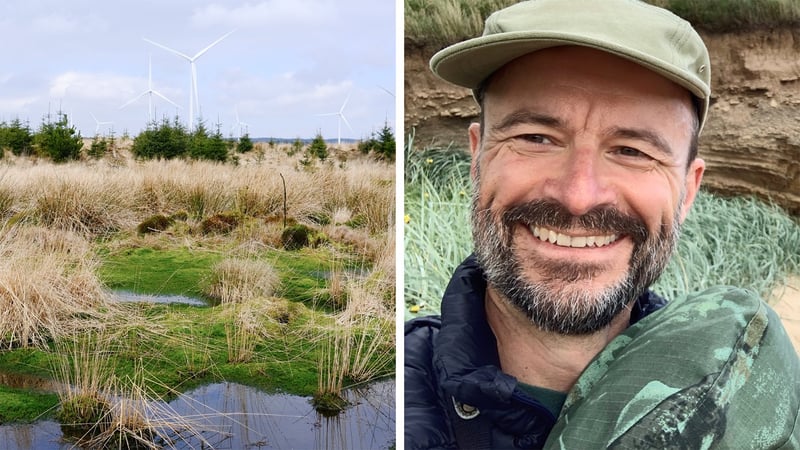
<point x="584" y="167"/>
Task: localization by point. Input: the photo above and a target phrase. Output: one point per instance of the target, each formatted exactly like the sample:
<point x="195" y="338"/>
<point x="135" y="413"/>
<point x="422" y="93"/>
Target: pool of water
<point x="126" y="296"/>
<point x="233" y="416"/>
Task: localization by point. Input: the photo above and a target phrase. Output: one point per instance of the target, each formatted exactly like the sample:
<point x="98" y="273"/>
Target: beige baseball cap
<point x="647" y="35"/>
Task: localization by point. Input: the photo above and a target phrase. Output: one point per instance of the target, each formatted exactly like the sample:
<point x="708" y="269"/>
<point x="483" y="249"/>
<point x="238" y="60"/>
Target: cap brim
<point x="470" y="62"/>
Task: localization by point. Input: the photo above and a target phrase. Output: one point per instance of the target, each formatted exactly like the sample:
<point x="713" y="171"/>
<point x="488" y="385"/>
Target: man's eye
<point x="536" y="138"/>
<point x="631" y="152"/>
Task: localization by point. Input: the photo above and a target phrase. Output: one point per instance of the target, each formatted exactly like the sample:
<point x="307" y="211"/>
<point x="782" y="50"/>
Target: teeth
<point x="564" y="240"/>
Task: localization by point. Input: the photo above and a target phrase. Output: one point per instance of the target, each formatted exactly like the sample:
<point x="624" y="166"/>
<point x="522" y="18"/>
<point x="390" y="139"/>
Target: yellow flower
<point x="463" y="193"/>
<point x="406" y="218"/>
<point x="414" y="309"/>
<point x="429" y="161"/>
<point x="426" y="195"/>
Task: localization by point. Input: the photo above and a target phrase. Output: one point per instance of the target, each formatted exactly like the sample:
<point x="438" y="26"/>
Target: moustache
<point x="553" y="215"/>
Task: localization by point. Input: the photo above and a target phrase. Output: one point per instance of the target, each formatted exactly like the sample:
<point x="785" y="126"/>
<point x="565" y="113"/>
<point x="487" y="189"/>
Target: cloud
<point x="273" y="12"/>
<point x="17" y="104"/>
<point x="94" y="86"/>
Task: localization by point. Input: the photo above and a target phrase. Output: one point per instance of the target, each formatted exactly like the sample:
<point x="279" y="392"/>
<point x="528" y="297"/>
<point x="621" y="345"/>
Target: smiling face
<point x="582" y="180"/>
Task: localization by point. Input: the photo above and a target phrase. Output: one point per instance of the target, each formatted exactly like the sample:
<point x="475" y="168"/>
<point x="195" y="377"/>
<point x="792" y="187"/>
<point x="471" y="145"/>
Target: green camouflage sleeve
<point x="713" y="370"/>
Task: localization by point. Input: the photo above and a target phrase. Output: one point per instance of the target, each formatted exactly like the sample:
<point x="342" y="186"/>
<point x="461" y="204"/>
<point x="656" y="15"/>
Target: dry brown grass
<point x="361" y="344"/>
<point x="110" y="195"/>
<point x="48" y="286"/>
<point x="236" y="280"/>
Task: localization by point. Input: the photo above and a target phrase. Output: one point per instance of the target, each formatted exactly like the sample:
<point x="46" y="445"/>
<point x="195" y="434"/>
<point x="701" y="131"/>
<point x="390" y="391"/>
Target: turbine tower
<point x="194" y="98"/>
<point x="149" y="92"/>
<point x="340" y="113"/>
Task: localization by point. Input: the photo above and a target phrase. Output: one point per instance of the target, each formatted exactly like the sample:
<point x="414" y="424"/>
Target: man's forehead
<point x="573" y="65"/>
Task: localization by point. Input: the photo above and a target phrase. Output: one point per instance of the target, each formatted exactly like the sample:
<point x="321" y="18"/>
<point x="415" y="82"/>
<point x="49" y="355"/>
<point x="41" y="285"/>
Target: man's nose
<point x="579" y="183"/>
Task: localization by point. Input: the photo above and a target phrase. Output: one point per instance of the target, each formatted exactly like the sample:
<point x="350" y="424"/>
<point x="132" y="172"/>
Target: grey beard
<point x="552" y="304"/>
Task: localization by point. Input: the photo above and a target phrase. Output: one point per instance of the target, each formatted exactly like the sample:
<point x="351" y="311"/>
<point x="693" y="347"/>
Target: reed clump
<point x="99" y="409"/>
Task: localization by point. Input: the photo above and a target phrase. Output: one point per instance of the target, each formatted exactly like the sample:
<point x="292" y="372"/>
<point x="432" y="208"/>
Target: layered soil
<point x="751" y="142"/>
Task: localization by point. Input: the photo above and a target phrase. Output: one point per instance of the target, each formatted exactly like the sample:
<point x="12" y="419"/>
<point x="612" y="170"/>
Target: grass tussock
<point x="725" y="241"/>
<point x="48" y="286"/>
<point x="246" y="328"/>
<point x="99" y="409"/>
<point x="360" y="346"/>
<point x="440" y="23"/>
<point x="235" y="280"/>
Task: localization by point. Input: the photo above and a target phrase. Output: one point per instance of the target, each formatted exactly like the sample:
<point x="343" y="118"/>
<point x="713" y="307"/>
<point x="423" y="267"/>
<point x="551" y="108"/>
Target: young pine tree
<point x="59" y="140"/>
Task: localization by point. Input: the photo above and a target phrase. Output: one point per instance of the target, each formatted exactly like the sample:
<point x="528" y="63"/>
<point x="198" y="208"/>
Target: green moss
<point x="145" y="270"/>
<point x="222" y="223"/>
<point x="329" y="404"/>
<point x="25" y="406"/>
<point x="358" y="221"/>
<point x="81" y="412"/>
<point x="295" y="237"/>
<point x="154" y="224"/>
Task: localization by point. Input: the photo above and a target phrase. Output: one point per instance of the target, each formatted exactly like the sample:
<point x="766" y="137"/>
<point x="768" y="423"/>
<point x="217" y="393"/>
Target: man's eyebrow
<point x="643" y="134"/>
<point x="525" y="117"/>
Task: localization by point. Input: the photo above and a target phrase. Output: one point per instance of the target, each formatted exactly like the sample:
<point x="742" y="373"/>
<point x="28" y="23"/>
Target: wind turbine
<point x="99" y="123"/>
<point x="149" y="92"/>
<point x="194" y="98"/>
<point x="239" y="124"/>
<point x="340" y="113"/>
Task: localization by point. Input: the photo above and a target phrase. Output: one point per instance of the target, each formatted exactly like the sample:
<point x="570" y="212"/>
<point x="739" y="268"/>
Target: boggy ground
<point x="71" y="232"/>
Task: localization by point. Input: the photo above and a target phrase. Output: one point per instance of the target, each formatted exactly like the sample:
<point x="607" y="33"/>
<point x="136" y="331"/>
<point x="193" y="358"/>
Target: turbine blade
<point x="167" y="49"/>
<point x="344" y="104"/>
<point x="200" y="53"/>
<point x="387" y="91"/>
<point x="165" y="98"/>
<point x="95" y="118"/>
<point x="134" y="99"/>
<point x="346" y="122"/>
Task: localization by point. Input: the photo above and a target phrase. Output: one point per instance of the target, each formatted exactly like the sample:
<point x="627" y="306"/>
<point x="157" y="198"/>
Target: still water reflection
<point x="233" y="416"/>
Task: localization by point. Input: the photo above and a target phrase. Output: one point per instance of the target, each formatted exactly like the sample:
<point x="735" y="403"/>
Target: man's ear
<point x="474" y="146"/>
<point x="693" y="178"/>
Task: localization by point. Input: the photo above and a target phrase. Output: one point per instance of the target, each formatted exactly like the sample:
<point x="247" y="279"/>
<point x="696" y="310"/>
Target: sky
<point x="286" y="63"/>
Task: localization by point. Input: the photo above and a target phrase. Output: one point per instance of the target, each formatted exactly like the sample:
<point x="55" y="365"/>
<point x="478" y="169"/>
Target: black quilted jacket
<point x="452" y="371"/>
